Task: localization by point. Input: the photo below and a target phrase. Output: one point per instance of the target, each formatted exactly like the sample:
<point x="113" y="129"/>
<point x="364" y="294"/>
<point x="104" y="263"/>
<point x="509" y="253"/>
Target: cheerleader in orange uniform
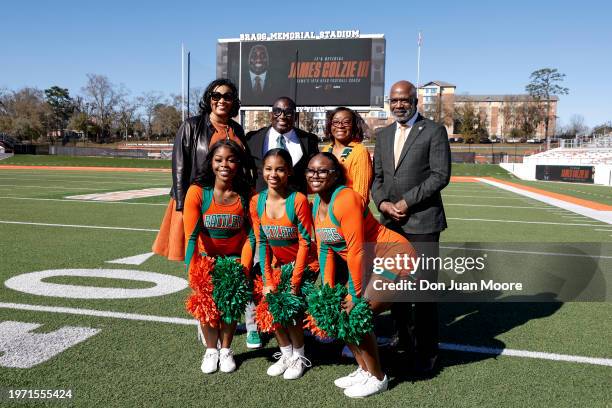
<point x="282" y="224"/>
<point x="343" y="226"/>
<point x="216" y="224"/>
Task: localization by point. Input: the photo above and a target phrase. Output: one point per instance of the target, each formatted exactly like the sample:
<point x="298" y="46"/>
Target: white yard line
<point x="527" y="354"/>
<point x="604" y="216"/>
<point x="58" y="188"/>
<point x="497" y="206"/>
<point x="539" y="253"/>
<point x="80" y="201"/>
<point x="84" y="181"/>
<point x="191" y="322"/>
<point x="508" y="197"/>
<point x="99" y="313"/>
<point x="78" y="226"/>
<point x="520" y="222"/>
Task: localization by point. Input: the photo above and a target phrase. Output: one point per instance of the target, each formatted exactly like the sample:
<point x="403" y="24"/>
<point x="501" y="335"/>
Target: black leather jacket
<point x="189" y="153"/>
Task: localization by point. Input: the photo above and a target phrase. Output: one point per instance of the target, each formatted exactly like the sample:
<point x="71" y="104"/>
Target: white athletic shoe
<point x="296" y="367"/>
<point x="280" y="366"/>
<point x="370" y="386"/>
<point x="226" y="361"/>
<point x="210" y="361"/>
<point x="353" y="378"/>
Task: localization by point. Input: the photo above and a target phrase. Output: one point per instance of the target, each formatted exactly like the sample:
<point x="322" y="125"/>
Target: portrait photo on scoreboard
<point x="314" y="72"/>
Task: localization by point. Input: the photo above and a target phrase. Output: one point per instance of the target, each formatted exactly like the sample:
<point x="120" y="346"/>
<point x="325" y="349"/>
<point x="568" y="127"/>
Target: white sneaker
<point x="226" y="361"/>
<point x="280" y="366"/>
<point x="210" y="361"/>
<point x="353" y="378"/>
<point x="296" y="367"/>
<point x="370" y="386"/>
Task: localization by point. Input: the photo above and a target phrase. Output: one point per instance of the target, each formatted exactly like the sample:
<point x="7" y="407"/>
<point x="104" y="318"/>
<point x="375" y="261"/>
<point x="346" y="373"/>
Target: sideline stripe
<point x="192" y="322"/>
<point x="527" y="354"/>
<point x="79" y="201"/>
<point x="78" y="226"/>
<point x="85" y="168"/>
<point x="563" y="197"/>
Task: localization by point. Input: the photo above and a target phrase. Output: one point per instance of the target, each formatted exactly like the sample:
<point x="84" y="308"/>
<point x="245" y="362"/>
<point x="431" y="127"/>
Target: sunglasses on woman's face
<point x="216" y="96"/>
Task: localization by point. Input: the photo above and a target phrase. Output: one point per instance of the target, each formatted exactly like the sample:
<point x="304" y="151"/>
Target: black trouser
<point x="422" y="316"/>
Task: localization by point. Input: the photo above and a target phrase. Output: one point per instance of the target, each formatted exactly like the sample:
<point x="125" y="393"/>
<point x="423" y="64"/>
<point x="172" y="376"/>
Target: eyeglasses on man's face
<point x="277" y="112"/>
<point x="320" y="173"/>
<point x="228" y="96"/>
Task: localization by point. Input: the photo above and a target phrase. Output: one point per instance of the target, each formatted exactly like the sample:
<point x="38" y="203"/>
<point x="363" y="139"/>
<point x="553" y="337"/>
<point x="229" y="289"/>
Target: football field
<point x="85" y="307"/>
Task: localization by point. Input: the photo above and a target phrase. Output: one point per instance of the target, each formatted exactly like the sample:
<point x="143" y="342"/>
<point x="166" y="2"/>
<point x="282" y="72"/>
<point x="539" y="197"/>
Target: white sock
<point x="287" y="350"/>
<point x="299" y="351"/>
<point x="210" y="350"/>
<point x="224" y="350"/>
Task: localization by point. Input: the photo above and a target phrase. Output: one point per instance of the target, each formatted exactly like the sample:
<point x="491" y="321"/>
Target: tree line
<point x="102" y="112"/>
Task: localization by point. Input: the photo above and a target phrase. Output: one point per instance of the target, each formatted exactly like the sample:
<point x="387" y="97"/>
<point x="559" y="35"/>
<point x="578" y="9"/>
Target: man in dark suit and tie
<point x="412" y="165"/>
<point x="282" y="133"/>
<point x="256" y="86"/>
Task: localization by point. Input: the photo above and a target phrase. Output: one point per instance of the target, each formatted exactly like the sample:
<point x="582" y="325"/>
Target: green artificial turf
<point x="131" y="363"/>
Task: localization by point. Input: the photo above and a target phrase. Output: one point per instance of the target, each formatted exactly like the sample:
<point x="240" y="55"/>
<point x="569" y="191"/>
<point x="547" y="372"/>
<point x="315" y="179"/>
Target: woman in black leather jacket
<point x="214" y="122"/>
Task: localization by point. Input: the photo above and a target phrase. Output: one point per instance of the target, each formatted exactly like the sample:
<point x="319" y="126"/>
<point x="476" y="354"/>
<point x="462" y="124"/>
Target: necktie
<point x="258" y="87"/>
<point x="280" y="142"/>
<point x="398" y="144"/>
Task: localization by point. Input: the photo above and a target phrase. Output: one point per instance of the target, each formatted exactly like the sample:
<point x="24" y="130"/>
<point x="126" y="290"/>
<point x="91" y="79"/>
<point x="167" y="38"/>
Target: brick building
<point x="439" y="101"/>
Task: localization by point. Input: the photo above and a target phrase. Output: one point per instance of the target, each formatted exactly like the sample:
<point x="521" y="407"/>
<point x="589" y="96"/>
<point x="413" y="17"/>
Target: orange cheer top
<point x="222" y="133"/>
<point x="214" y="229"/>
<point x="345" y="230"/>
<point x="357" y="165"/>
<point x="287" y="238"/>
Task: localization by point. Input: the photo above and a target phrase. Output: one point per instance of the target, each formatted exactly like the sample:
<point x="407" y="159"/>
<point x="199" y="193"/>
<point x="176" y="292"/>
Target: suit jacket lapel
<point x="259" y="143"/>
<point x="415" y="131"/>
<point x="389" y="137"/>
<point x="303" y="139"/>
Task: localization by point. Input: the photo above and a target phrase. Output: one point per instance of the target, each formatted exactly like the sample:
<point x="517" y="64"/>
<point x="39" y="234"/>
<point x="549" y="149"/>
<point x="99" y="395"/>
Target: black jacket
<point x="190" y="150"/>
<point x="310" y="146"/>
<point x="423" y="171"/>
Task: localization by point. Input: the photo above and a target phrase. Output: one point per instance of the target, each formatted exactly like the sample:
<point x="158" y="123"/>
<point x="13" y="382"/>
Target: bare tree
<point x="148" y="101"/>
<point x="166" y="120"/>
<point x="468" y="120"/>
<point x="103" y="97"/>
<point x="195" y="96"/>
<point x="528" y="117"/>
<point x="576" y="126"/>
<point x="307" y="122"/>
<point x="24" y="114"/>
<point x="126" y="110"/>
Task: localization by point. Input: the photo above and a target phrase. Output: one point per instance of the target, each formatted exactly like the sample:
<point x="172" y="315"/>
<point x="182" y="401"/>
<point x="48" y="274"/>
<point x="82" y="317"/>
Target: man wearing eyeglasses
<point x="411" y="167"/>
<point x="283" y="134"/>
